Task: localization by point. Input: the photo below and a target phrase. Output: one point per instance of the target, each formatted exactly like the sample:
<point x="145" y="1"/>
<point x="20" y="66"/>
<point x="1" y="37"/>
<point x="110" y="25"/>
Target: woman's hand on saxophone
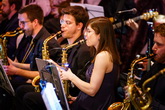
<point x="66" y="75"/>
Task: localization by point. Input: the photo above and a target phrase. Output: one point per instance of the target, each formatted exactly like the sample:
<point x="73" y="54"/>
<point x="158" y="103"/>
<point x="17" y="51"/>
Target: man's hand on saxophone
<point x="15" y="68"/>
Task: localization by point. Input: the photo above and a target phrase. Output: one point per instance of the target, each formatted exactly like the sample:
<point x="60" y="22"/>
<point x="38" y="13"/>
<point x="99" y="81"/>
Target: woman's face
<point x="92" y="39"/>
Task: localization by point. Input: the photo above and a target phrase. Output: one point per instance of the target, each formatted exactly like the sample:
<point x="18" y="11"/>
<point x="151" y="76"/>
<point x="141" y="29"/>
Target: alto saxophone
<point x="3" y="41"/>
<point x="139" y="98"/>
<point x="45" y="56"/>
<point x="65" y="63"/>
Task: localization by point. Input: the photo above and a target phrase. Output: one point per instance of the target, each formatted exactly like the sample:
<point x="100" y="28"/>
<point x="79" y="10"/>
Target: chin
<point x="88" y="44"/>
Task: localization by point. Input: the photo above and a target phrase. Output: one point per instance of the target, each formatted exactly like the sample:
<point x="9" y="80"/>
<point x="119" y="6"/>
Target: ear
<point x="12" y="7"/>
<point x="35" y="22"/>
<point x="98" y="36"/>
<point x="79" y="26"/>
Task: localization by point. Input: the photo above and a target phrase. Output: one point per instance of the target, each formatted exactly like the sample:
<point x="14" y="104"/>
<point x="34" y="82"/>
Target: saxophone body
<point x="140" y="99"/>
<point x="65" y="64"/>
<point x="3" y="51"/>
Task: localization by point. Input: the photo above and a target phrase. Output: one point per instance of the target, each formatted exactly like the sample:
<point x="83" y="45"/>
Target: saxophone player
<point x="31" y="22"/>
<point x="158" y="85"/>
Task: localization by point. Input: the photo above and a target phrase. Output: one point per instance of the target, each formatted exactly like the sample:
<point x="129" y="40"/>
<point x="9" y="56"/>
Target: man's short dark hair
<point x="160" y="29"/>
<point x="78" y="12"/>
<point x="18" y="4"/>
<point x="33" y="12"/>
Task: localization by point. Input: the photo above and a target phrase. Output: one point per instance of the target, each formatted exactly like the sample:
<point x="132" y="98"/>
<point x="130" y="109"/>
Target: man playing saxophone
<point x="158" y="85"/>
<point x="31" y="22"/>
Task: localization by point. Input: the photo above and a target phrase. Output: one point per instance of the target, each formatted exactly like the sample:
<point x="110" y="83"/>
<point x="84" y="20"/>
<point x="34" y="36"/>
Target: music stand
<point x="93" y="10"/>
<point x="49" y="73"/>
<point x="4" y="81"/>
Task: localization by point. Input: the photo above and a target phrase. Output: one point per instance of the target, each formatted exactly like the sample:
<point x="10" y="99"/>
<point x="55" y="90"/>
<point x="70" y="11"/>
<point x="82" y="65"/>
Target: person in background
<point x="98" y="91"/>
<point x="44" y="4"/>
<point x="10" y="10"/>
<point x="52" y="24"/>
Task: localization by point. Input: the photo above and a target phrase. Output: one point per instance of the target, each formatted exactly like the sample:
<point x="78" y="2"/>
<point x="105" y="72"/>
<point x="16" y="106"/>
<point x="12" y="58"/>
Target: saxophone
<point x="45" y="56"/>
<point x="140" y="99"/>
<point x="144" y="102"/>
<point x="65" y="63"/>
<point x="3" y="41"/>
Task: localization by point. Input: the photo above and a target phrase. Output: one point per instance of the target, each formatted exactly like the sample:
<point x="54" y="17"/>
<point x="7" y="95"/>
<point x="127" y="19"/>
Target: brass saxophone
<point x="3" y="41"/>
<point x="45" y="56"/>
<point x="140" y="99"/>
<point x="65" y="63"/>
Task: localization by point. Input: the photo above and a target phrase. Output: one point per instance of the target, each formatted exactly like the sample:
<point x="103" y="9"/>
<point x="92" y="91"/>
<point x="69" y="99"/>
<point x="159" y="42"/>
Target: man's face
<point x="159" y="48"/>
<point x="5" y="8"/>
<point x="25" y="24"/>
<point x="68" y="26"/>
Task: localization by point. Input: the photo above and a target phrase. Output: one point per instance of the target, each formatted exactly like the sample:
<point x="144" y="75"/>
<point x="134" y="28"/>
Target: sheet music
<point x="4" y="81"/>
<point x="93" y="10"/>
<point x="48" y="72"/>
<point x="50" y="98"/>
